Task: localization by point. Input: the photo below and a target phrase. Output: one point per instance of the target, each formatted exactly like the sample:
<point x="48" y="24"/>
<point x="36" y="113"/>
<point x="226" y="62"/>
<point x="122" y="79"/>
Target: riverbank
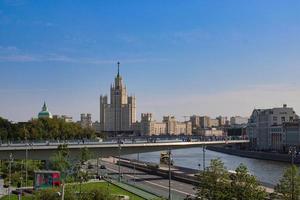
<point x="182" y="174"/>
<point x="254" y="154"/>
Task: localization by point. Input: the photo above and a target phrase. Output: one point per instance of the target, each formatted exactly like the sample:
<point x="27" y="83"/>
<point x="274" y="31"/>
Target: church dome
<point x="44" y="113"/>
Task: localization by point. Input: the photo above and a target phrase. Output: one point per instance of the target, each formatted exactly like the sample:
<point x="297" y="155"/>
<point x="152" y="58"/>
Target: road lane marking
<point x="156" y="184"/>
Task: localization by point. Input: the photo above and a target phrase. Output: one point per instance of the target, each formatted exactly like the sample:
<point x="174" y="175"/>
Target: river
<point x="266" y="171"/>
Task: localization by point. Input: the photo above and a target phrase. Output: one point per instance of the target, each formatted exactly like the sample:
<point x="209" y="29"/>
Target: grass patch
<point x="105" y="186"/>
<point x="15" y="197"/>
<point x="86" y="187"/>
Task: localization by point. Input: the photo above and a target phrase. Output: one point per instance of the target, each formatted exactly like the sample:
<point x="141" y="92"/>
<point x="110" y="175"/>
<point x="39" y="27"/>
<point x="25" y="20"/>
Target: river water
<point x="266" y="171"/>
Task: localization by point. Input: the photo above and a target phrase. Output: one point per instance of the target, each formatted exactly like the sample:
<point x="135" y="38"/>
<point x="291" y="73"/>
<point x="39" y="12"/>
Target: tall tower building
<point x="118" y="115"/>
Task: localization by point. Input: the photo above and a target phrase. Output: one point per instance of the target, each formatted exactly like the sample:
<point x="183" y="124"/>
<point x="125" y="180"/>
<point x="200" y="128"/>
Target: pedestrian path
<point x="135" y="190"/>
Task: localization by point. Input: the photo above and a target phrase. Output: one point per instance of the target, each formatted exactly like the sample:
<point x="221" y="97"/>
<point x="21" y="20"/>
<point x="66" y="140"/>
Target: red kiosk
<point x="46" y="179"/>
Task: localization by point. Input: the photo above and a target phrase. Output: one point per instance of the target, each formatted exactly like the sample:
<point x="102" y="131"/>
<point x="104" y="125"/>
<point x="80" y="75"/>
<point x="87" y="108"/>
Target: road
<point x="156" y="184"/>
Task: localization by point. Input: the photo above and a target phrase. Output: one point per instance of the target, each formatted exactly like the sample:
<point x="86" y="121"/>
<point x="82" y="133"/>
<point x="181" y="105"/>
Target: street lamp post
<point x="134" y="171"/>
<point x="204" y="150"/>
<point x="119" y="166"/>
<point x="170" y="175"/>
<point x="26" y="165"/>
<point x="26" y="156"/>
<point x="9" y="184"/>
<point x="293" y="153"/>
<point x="98" y="166"/>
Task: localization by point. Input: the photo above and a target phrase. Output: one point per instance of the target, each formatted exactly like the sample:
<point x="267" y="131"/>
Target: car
<point x="102" y="167"/>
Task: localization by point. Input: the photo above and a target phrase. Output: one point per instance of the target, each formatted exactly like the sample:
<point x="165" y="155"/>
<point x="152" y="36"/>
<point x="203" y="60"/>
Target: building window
<point x="274" y="118"/>
<point x="282" y="119"/>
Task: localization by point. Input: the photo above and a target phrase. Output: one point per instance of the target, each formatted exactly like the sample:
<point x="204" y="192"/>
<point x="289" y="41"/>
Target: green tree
<point x="85" y="155"/>
<point x="60" y="161"/>
<point x="288" y="187"/>
<point x="214" y="183"/>
<point x="244" y="186"/>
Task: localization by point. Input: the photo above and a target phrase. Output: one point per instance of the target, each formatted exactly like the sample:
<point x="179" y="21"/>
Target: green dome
<point x="44" y="113"/>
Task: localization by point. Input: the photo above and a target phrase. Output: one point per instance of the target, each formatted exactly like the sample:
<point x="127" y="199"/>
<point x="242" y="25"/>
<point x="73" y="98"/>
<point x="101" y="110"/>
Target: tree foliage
<point x="288" y="187"/>
<point x="43" y="129"/>
<point x="244" y="186"/>
<point x="61" y="161"/>
<point x="215" y="183"/>
<point x="85" y="155"/>
<point x="18" y="170"/>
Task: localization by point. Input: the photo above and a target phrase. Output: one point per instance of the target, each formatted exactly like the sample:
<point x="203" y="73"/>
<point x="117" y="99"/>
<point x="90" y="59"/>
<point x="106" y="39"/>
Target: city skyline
<point x="207" y="58"/>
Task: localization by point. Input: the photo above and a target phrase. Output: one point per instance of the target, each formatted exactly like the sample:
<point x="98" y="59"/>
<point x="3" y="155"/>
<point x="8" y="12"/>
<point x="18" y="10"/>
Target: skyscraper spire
<point x="118" y="69"/>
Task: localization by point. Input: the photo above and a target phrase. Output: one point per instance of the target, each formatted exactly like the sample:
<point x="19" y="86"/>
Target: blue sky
<point x="178" y="57"/>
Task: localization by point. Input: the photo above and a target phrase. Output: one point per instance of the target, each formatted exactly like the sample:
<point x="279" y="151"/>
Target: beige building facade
<point x="264" y="127"/>
<point x="119" y="114"/>
<point x="86" y="120"/>
<point x="210" y="132"/>
<point x="169" y="126"/>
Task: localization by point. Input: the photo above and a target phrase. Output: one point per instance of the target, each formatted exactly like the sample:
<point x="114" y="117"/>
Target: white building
<point x="213" y="123"/>
<point x="63" y="117"/>
<point x="210" y="132"/>
<point x="118" y="115"/>
<point x="238" y="120"/>
<point x="169" y="125"/>
<point x="264" y="128"/>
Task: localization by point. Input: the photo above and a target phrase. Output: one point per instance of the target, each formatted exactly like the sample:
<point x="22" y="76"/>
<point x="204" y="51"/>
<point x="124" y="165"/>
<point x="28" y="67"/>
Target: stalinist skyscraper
<point x="119" y="115"/>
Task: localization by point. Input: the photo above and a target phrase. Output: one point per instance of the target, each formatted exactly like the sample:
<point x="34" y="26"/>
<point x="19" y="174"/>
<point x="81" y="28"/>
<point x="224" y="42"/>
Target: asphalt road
<point x="156" y="184"/>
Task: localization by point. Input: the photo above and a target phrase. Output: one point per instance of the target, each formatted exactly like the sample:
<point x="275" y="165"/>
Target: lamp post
<point x="26" y="157"/>
<point x="293" y="154"/>
<point x="98" y="166"/>
<point x="9" y="183"/>
<point x="133" y="171"/>
<point x="204" y="150"/>
<point x="119" y="166"/>
<point x="170" y="175"/>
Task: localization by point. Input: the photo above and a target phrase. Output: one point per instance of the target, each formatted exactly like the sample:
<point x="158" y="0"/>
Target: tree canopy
<point x="43" y="129"/>
<point x="215" y="183"/>
<point x="288" y="187"/>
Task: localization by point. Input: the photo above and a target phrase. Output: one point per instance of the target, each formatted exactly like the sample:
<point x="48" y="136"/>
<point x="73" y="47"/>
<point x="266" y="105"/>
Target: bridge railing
<point x="127" y="140"/>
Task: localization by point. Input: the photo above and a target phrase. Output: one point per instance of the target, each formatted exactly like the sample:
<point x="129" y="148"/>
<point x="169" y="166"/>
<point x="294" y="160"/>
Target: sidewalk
<point x="135" y="190"/>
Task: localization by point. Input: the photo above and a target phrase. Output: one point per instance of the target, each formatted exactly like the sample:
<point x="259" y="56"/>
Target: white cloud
<point x="13" y="54"/>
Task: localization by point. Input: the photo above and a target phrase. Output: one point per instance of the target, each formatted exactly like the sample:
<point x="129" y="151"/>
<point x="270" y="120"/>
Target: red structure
<point x="46" y="179"/>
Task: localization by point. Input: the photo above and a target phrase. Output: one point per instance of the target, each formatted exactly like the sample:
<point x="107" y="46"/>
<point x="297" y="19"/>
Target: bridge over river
<point x="43" y="151"/>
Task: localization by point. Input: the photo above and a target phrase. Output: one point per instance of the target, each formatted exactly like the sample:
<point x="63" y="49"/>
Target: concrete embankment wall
<point x="254" y="154"/>
<point x="152" y="169"/>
